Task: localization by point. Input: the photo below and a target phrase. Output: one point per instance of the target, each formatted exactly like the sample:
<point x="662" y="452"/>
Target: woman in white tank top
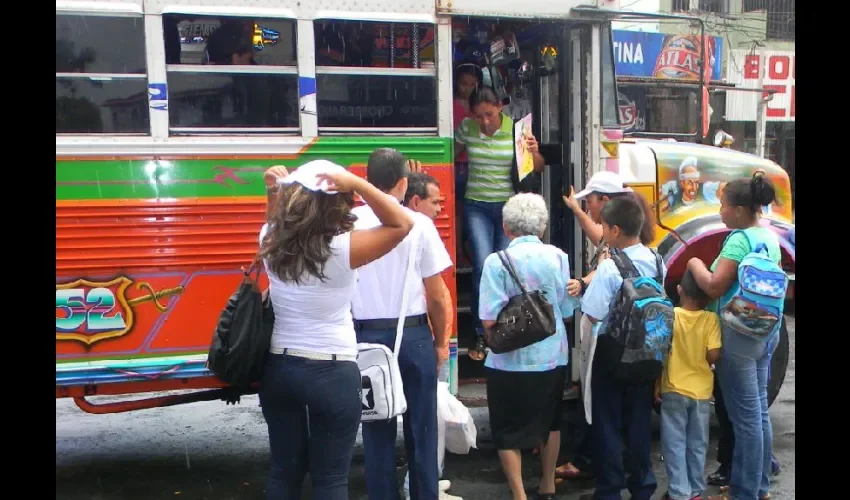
<point x="310" y="392"/>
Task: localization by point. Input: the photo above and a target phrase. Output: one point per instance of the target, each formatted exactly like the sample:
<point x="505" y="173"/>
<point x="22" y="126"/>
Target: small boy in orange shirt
<point x="685" y="388"/>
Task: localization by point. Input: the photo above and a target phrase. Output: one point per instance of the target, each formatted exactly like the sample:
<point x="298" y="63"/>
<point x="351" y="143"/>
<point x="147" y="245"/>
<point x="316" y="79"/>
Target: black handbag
<point x="527" y="318"/>
<point x="240" y="344"/>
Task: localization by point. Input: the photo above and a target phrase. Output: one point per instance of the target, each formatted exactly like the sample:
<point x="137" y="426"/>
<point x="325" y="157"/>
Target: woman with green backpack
<point x="749" y="286"/>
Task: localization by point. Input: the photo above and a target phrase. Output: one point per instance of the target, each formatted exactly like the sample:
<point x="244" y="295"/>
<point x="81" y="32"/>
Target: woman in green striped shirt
<point x="488" y="140"/>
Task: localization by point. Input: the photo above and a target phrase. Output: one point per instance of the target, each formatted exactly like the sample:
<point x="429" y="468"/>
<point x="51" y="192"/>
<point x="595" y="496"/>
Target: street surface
<point x="212" y="451"/>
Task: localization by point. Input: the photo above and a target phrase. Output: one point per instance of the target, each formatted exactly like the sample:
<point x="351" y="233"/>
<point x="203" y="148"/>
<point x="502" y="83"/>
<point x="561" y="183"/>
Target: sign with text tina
<point x="658" y="55"/>
<point x="779" y="74"/>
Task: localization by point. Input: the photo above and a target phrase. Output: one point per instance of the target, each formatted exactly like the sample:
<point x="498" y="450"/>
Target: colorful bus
<point x="164" y="130"/>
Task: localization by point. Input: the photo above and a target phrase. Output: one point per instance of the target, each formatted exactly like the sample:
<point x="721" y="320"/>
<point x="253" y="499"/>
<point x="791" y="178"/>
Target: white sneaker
<point x="444" y="485"/>
<point x="446" y="496"/>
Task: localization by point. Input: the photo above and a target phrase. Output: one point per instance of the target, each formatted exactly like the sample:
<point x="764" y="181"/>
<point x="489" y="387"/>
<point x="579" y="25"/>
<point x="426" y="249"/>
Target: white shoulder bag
<point x="380" y="377"/>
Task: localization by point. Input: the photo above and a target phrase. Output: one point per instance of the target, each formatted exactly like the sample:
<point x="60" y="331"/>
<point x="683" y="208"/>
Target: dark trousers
<point x="312" y="409"/>
<point x="579" y="443"/>
<point x="418" y="365"/>
<point x="616" y="407"/>
<point x="726" y="442"/>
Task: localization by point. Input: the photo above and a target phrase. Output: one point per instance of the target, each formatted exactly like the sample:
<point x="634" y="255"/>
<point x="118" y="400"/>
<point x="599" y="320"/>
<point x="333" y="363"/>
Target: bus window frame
<point x="233" y="12"/>
<point x="381" y="71"/>
<point x="122" y="10"/>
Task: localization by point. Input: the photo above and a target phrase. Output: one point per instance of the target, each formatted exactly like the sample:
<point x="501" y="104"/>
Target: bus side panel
<point x="148" y="251"/>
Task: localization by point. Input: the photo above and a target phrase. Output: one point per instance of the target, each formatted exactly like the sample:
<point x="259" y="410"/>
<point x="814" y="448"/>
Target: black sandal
<point x="720" y="477"/>
<point x="480" y="348"/>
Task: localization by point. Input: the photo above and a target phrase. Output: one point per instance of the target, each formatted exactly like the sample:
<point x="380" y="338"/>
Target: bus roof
<point x="376" y="10"/>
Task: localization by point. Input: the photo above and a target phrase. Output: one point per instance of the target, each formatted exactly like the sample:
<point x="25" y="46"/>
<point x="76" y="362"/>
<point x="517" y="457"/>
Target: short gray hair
<point x="525" y="214"/>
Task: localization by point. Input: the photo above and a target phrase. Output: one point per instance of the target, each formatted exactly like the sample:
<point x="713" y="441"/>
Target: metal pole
<point x="761" y="108"/>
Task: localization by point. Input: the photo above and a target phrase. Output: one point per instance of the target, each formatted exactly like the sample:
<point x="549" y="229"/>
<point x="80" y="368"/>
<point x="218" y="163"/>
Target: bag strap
<point x="659" y="267"/>
<point x="624" y="264"/>
<point x="756" y="245"/>
<point x="509" y="265"/>
<point x="411" y="261"/>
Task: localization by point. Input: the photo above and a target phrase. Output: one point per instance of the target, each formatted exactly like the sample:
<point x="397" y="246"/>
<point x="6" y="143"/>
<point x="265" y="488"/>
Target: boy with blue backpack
<point x="633" y="324"/>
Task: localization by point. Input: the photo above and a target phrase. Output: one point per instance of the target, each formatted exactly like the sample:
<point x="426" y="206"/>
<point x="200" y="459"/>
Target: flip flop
<point x="570" y="471"/>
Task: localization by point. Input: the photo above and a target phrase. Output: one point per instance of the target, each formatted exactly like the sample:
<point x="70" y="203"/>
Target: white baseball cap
<point x="604" y="182"/>
<point x="307" y="175"/>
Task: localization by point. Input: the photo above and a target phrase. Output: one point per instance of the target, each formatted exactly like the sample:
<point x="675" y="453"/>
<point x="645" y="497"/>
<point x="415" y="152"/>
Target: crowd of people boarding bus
<point x="333" y="272"/>
<point x="330" y="266"/>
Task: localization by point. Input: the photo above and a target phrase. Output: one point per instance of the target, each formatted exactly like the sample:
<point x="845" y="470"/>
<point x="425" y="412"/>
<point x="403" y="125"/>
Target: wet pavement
<point x="212" y="451"/>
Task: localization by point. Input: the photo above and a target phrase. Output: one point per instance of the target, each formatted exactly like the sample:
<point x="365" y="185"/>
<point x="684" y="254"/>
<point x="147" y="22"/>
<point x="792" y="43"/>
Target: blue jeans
<point x="483" y="222"/>
<point x="418" y="365"/>
<point x="743" y="373"/>
<point x="615" y="407"/>
<point x="312" y="409"/>
<point x="684" y="442"/>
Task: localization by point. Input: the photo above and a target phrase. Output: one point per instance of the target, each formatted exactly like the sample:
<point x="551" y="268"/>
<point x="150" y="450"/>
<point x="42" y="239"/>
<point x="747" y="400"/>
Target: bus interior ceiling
<point x="522" y="61"/>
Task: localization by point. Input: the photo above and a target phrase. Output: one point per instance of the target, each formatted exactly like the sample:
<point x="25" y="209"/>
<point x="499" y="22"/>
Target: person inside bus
<point x="230" y="45"/>
<point x="525" y="386"/>
<point x="468" y="78"/>
<point x="600" y="189"/>
<point x="488" y="139"/>
<point x="379" y="295"/>
<point x="310" y="393"/>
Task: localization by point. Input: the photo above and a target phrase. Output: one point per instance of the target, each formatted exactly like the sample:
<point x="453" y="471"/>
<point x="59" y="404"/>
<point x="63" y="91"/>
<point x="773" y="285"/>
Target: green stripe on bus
<point x="145" y="179"/>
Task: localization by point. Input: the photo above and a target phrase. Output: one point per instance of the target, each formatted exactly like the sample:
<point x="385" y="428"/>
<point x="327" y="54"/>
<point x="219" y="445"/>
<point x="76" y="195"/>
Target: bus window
<point x="610" y="112"/>
<point x="101" y="75"/>
<point x="231" y="74"/>
<point x="376" y="77"/>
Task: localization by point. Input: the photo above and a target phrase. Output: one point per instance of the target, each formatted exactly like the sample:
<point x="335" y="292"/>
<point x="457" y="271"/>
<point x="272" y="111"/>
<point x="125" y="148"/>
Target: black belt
<point x="390" y="323"/>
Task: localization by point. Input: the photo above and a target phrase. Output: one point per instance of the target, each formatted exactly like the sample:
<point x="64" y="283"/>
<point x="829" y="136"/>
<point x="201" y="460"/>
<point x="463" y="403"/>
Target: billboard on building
<point x="644" y="54"/>
<point x="779" y="74"/>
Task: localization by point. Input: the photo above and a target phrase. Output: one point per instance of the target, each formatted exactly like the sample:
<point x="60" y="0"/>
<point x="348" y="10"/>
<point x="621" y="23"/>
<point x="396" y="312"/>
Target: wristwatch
<point x="583" y="285"/>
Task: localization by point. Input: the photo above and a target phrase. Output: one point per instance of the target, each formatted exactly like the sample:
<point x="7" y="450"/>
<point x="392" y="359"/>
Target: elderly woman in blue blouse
<point x="525" y="386"/>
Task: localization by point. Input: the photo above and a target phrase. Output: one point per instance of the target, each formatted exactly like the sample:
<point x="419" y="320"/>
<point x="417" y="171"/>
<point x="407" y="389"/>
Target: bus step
<point x="464" y="309"/>
<point x="464" y="270"/>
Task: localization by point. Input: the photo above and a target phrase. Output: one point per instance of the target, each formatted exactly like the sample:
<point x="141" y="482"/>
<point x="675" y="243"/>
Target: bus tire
<point x="778" y="364"/>
<point x="778" y="367"/>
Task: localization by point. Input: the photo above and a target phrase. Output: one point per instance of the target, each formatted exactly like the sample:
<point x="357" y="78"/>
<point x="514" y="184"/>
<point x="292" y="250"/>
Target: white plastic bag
<point x="460" y="433"/>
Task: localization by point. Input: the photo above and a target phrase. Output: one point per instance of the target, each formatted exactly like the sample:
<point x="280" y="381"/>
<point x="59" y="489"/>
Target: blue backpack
<point x="636" y="336"/>
<point x="754" y="305"/>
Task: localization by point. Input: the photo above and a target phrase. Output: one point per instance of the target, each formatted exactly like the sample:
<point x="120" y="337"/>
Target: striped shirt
<point x="490" y="160"/>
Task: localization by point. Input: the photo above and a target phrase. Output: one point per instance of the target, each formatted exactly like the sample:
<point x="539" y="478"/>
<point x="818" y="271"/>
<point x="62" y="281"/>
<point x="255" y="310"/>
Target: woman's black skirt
<point x="524" y="406"/>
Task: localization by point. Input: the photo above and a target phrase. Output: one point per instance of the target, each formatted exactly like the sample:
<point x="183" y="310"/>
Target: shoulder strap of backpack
<point x="659" y="267"/>
<point x="624" y="264"/>
<point x="756" y="244"/>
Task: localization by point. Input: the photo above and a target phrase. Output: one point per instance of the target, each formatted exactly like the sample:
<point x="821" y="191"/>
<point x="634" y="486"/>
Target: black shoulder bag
<point x="527" y="318"/>
<point x="240" y="344"/>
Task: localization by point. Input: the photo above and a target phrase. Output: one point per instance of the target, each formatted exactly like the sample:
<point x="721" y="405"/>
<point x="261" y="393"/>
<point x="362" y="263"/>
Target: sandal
<point x="720" y="477"/>
<point x="478" y="352"/>
<point x="724" y="494"/>
<point x="570" y="471"/>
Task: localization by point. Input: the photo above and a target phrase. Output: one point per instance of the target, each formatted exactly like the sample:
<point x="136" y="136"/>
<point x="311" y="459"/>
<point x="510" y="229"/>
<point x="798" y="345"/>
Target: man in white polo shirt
<point x="376" y="307"/>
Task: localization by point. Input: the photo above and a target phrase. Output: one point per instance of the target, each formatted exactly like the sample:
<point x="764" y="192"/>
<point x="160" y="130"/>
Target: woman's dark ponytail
<point x="752" y="193"/>
<point x="762" y="190"/>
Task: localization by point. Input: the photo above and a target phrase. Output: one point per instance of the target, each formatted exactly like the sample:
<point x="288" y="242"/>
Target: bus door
<point x="590" y="120"/>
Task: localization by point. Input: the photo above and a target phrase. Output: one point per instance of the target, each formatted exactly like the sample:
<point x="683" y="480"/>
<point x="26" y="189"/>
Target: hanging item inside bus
<point x="197" y="33"/>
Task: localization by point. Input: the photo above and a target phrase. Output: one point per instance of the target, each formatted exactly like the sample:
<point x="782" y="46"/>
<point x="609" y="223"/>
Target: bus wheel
<point x="779" y="364"/>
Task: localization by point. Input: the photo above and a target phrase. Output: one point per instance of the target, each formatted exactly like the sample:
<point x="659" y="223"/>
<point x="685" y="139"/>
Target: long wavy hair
<point x="301" y="228"/>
